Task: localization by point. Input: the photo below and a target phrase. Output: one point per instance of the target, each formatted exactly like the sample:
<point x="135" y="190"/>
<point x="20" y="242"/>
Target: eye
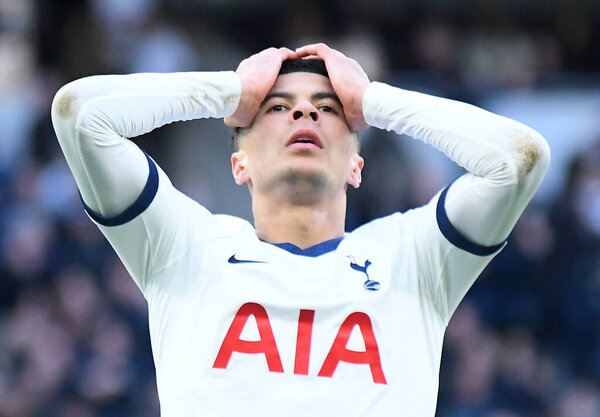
<point x="277" y="108"/>
<point x="327" y="109"/>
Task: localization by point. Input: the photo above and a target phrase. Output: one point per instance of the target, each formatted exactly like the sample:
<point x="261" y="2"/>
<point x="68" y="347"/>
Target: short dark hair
<point x="314" y="65"/>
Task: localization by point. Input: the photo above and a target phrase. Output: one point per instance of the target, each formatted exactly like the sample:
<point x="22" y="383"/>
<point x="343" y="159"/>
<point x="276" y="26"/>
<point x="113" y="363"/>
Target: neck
<point x="302" y="225"/>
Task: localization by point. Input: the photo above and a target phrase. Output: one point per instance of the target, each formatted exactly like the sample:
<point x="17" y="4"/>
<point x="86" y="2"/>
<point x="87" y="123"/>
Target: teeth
<point x="304" y="140"/>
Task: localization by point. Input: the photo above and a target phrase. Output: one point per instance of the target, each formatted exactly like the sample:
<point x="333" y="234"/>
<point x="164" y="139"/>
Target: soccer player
<point x="293" y="316"/>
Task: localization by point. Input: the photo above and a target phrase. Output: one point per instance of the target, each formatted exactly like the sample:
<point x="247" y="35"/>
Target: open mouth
<point x="305" y="139"/>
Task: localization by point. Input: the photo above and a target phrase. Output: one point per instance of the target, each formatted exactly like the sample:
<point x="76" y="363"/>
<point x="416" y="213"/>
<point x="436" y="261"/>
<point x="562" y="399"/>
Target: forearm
<point x="506" y="160"/>
<point x="94" y="116"/>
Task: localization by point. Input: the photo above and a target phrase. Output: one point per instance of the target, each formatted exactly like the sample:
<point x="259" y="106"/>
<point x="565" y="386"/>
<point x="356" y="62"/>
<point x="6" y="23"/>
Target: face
<point x="299" y="141"/>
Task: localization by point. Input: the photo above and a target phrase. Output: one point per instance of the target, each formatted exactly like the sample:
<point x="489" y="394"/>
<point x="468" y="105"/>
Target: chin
<point x="304" y="186"/>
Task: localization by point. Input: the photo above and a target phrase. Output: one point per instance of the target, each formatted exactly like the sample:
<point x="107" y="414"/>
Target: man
<point x="293" y="316"/>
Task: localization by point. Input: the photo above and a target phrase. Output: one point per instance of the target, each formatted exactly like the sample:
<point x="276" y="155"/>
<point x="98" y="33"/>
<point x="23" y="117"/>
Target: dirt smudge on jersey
<point x="527" y="149"/>
<point x="65" y="103"/>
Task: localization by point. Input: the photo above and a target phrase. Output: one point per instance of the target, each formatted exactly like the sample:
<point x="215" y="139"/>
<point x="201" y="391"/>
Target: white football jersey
<point x="352" y="326"/>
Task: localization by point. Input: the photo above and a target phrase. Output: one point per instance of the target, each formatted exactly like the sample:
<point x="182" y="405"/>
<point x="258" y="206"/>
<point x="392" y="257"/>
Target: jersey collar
<point x="312" y="251"/>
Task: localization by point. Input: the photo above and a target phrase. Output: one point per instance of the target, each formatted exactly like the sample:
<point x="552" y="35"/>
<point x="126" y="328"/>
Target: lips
<point x="305" y="138"/>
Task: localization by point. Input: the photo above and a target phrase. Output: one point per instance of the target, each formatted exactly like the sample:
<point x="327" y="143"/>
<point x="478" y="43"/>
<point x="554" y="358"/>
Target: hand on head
<point x="348" y="79"/>
<point x="259" y="72"/>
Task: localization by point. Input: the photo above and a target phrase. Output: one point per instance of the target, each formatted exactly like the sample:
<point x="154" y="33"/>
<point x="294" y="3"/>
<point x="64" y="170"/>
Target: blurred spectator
<point x="576" y="265"/>
<point x="580" y="400"/>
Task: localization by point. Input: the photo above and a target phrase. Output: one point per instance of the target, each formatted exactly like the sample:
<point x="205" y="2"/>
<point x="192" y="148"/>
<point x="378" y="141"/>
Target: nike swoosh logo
<point x="234" y="260"/>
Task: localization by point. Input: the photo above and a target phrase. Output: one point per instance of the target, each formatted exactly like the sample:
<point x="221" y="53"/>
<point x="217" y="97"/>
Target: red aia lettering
<point x="338" y="351"/>
<point x="266" y="344"/>
<point x="305" y="324"/>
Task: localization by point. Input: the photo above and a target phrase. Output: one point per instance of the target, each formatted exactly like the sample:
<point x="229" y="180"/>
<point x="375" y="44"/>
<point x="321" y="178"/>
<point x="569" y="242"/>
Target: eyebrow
<point x="283" y="95"/>
<point x="322" y="95"/>
<point x="291" y="96"/>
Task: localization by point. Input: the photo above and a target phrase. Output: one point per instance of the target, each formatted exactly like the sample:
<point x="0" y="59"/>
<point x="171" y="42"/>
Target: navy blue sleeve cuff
<point x="455" y="237"/>
<point x="137" y="207"/>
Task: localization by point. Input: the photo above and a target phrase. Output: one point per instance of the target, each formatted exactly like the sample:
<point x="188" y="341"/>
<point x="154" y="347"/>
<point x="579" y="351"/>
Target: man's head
<point x="299" y="144"/>
<point x="316" y="66"/>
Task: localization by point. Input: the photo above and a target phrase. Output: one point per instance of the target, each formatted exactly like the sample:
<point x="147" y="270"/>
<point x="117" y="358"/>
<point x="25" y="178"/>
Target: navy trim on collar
<point x="457" y="238"/>
<point x="137" y="207"/>
<point x="313" y="251"/>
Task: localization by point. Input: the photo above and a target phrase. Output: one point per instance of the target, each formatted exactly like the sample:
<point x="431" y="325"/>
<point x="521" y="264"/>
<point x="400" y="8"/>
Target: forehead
<point x="298" y="82"/>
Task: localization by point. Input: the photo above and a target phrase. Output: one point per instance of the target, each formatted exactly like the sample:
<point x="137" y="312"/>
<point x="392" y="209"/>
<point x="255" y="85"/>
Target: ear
<point x="355" y="177"/>
<point x="239" y="167"/>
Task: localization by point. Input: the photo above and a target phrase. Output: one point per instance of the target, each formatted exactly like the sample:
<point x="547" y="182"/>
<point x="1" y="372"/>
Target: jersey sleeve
<point x="148" y="222"/>
<point x="464" y="226"/>
<point x="448" y="262"/>
<point x="157" y="229"/>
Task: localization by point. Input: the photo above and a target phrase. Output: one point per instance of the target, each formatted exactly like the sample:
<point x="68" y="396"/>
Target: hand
<point x="258" y="74"/>
<point x="348" y="80"/>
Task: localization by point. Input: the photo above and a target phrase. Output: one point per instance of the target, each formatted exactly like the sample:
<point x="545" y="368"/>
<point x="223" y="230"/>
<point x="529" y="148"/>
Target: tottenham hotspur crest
<point x="368" y="284"/>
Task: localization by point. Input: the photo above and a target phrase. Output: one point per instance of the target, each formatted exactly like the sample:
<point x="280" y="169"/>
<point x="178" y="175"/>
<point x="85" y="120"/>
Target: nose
<point x="305" y="109"/>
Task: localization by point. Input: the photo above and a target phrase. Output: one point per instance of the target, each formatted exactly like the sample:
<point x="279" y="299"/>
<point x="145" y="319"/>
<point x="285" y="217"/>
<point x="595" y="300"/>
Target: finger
<point x="268" y="51"/>
<point x="309" y="55"/>
<point x="319" y="49"/>
<point x="228" y="122"/>
<point x="313" y="46"/>
<point x="285" y="54"/>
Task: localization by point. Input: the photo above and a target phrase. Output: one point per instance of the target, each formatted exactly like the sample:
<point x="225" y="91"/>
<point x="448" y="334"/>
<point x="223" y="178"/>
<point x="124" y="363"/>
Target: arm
<point x="94" y="116"/>
<point x="505" y="160"/>
<point x="145" y="219"/>
<point x="127" y="195"/>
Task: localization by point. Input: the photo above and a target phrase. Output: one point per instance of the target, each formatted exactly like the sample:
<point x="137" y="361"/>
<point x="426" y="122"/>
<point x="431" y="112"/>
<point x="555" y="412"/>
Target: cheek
<point x="346" y="138"/>
<point x="346" y="145"/>
<point x="343" y="158"/>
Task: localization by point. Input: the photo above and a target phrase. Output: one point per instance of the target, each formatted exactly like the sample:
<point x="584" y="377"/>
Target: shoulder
<point x="393" y="232"/>
<point x="381" y="233"/>
<point x="233" y="225"/>
<point x="394" y="224"/>
<point x="379" y="225"/>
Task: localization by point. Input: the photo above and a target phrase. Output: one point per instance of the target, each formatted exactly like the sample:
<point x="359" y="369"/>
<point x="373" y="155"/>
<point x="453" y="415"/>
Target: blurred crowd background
<point x="73" y="328"/>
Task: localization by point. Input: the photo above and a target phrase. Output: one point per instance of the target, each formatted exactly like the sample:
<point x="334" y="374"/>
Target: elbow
<point x="70" y="98"/>
<point x="543" y="162"/>
<point x="65" y="104"/>
<point x="65" y="107"/>
<point x="525" y="159"/>
<point x="70" y="110"/>
<point x="531" y="152"/>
